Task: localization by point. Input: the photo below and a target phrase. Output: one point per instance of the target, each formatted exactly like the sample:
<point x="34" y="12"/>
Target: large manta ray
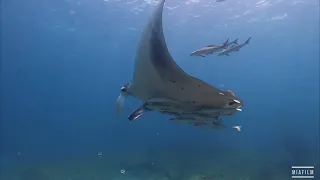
<point x="158" y="79"/>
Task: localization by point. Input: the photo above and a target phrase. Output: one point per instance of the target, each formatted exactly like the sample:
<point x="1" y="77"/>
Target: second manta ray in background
<point x="164" y="87"/>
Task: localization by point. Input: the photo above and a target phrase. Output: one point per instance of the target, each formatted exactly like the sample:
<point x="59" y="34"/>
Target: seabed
<point x="160" y="164"/>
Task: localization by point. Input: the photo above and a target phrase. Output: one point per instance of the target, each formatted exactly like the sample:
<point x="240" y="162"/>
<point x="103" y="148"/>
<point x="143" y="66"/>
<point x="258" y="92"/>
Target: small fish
<point x="238" y="128"/>
<point x="233" y="48"/>
<point x="210" y="49"/>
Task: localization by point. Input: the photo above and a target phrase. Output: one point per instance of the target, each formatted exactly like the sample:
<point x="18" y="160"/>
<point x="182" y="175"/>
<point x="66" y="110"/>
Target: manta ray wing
<point x="146" y="81"/>
<point x="157" y="74"/>
<point x="175" y="82"/>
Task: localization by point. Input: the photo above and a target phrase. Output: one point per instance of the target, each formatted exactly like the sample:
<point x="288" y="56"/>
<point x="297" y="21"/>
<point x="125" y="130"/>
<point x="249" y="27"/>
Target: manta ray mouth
<point x="232" y="103"/>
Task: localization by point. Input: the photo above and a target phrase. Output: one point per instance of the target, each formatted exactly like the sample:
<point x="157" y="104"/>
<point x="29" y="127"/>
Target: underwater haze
<point x="63" y="63"/>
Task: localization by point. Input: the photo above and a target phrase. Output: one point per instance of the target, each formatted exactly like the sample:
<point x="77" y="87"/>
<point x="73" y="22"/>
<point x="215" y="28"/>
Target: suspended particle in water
<point x="99" y="154"/>
<point x="72" y="12"/>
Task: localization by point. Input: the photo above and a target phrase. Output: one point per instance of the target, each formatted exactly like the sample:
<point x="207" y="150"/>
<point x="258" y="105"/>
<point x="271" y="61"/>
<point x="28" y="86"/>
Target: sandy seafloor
<point x="162" y="164"/>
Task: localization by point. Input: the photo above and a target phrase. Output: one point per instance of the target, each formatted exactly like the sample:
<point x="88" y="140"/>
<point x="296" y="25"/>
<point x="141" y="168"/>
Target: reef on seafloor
<point x="159" y="165"/>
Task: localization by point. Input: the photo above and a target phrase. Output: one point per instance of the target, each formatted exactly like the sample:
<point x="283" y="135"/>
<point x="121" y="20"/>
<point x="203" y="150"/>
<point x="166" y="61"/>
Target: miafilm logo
<point x="302" y="172"/>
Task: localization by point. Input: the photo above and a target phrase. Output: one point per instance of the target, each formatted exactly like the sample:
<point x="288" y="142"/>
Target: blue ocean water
<point x="63" y="63"/>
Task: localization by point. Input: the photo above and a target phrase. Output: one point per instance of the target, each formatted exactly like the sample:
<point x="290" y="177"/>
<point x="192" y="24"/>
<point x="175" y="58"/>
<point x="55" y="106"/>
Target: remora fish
<point x="167" y="106"/>
<point x="232" y="43"/>
<point x="183" y="110"/>
<point x="209" y="126"/>
<point x="198" y="121"/>
<point x="194" y="120"/>
<point x="234" y="48"/>
<point x="210" y="49"/>
<point x="180" y="120"/>
<point x="157" y="75"/>
<point x="164" y="106"/>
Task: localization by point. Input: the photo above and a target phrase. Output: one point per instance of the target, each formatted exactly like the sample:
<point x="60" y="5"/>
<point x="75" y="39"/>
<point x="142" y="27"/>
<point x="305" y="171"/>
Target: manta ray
<point x="163" y="86"/>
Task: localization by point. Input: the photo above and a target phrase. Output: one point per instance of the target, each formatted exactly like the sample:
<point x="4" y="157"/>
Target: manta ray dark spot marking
<point x="193" y="102"/>
<point x="198" y="85"/>
<point x="172" y="81"/>
<point x="182" y="88"/>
